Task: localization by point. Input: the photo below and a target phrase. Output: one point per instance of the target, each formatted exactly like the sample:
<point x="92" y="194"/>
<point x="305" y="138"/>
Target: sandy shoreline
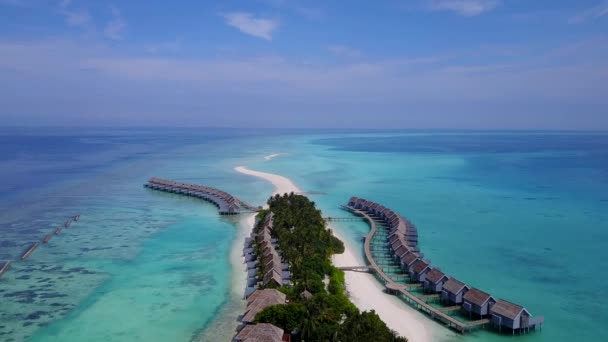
<point x="364" y="290"/>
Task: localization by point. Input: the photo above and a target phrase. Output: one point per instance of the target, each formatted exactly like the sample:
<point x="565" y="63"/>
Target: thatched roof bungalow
<point x="453" y="291"/>
<point x="434" y="281"/>
<point x="477" y="302"/>
<point x="512" y="316"/>
<point x="262" y="332"/>
<point x="261" y="299"/>
<point x="419" y="269"/>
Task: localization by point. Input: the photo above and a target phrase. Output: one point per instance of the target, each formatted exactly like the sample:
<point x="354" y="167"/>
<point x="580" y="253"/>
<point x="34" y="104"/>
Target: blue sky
<point x="511" y="64"/>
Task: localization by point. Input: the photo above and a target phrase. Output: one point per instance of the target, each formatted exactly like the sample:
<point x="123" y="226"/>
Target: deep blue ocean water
<point x="522" y="215"/>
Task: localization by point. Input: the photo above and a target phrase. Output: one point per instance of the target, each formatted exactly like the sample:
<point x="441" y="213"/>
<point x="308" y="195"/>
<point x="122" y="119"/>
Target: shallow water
<point x="520" y="216"/>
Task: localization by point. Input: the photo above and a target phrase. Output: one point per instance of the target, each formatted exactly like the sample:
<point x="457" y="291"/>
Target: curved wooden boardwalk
<point x="392" y="286"/>
<point x="394" y="257"/>
<point x="226" y="203"/>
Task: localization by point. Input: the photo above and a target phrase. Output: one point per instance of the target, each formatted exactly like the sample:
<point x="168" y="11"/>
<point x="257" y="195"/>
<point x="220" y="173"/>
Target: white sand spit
<point x="363" y="289"/>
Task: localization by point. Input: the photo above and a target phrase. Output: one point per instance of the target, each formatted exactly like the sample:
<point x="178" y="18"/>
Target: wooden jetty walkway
<point x="392" y="237"/>
<point x="30" y="250"/>
<point x="363" y="269"/>
<point x="226" y="203"/>
<point x="343" y="219"/>
<point x="36" y="244"/>
<point x="5" y="267"/>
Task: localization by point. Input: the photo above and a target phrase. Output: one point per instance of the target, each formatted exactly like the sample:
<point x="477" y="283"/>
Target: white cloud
<point x="249" y="24"/>
<point x="344" y="51"/>
<point x="80" y="18"/>
<point x="595" y="12"/>
<point x="226" y="86"/>
<point x="464" y="7"/>
<point x="170" y="47"/>
<point x="117" y="25"/>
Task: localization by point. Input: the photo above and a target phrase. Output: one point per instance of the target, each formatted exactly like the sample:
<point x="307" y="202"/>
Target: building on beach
<point x="260" y="332"/>
<point x="259" y="300"/>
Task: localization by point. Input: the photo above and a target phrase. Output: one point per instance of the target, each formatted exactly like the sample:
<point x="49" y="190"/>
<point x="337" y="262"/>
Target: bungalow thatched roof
<point x="453" y="286"/>
<point x="507" y="309"/>
<point x="435" y="275"/>
<point x="476" y="296"/>
<point x="419" y="266"/>
<point x="259" y="300"/>
<point x="262" y="332"/>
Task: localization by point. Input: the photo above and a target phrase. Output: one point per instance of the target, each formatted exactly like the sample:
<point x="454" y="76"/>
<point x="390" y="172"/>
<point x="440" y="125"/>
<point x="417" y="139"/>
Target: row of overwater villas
<point x="276" y="271"/>
<point x="256" y="302"/>
<point x="226" y="203"/>
<point x="474" y="302"/>
<point x="400" y="229"/>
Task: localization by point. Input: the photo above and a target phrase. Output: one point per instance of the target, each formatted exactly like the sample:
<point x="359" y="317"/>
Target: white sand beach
<point x="363" y="289"/>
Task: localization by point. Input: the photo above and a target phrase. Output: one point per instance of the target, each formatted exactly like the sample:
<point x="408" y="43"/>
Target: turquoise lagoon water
<point x="522" y="216"/>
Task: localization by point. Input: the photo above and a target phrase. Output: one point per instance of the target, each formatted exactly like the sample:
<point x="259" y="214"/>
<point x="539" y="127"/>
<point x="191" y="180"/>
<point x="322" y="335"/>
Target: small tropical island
<point x="299" y="295"/>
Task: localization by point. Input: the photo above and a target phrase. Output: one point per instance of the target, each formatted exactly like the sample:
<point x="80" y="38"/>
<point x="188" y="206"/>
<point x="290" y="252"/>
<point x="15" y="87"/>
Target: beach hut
<point x="272" y="278"/>
<point x="434" y="281"/>
<point x="259" y="300"/>
<point x="477" y="302"/>
<point x="260" y="332"/>
<point x="419" y="269"/>
<point x="306" y="295"/>
<point x="453" y="291"/>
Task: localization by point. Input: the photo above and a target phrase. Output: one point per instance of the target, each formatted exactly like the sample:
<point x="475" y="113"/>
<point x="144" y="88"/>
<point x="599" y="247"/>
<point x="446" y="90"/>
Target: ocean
<point x="521" y="215"/>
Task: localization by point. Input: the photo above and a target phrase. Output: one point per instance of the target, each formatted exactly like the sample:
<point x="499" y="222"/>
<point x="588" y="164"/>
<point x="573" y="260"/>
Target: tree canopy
<point x="307" y="246"/>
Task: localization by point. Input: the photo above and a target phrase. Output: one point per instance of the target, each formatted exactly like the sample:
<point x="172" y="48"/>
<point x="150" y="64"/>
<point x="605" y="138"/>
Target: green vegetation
<point x="307" y="245"/>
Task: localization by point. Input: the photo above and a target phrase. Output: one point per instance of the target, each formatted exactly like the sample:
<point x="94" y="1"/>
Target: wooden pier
<point x="343" y="219"/>
<point x="363" y="269"/>
<point x="398" y="238"/>
<point x="30" y="250"/>
<point x="4" y="268"/>
<point x="226" y="203"/>
<point x="35" y="245"/>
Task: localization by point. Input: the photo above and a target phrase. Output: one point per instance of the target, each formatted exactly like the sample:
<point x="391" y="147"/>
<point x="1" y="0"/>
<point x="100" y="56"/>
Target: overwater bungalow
<point x="419" y="269"/>
<point x="477" y="302"/>
<point x="400" y="251"/>
<point x="400" y="243"/>
<point x="434" y="281"/>
<point x="506" y="315"/>
<point x="407" y="260"/>
<point x="453" y="291"/>
<point x="226" y="203"/>
<point x="261" y="332"/>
